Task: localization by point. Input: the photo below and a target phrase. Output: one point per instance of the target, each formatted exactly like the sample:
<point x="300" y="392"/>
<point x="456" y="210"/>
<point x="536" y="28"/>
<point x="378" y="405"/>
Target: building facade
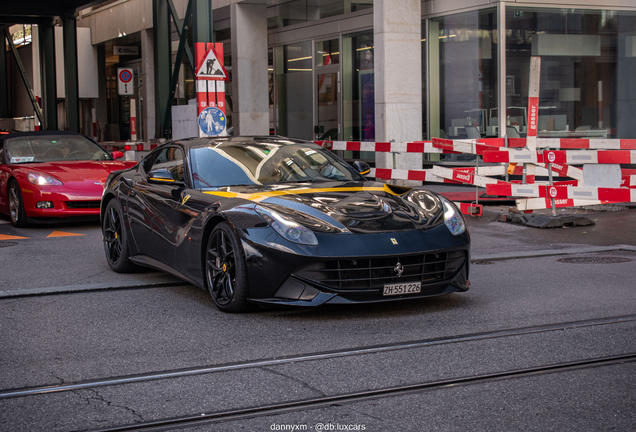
<point x="381" y="70"/>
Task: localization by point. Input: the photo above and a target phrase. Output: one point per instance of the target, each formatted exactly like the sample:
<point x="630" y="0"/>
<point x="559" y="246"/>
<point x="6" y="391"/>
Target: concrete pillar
<point x="249" y="69"/>
<point x="397" y="32"/>
<point x="148" y="112"/>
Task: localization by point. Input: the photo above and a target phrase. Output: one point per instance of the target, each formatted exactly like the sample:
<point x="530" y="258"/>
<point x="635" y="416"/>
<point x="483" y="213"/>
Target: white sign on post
<point x="125" y="81"/>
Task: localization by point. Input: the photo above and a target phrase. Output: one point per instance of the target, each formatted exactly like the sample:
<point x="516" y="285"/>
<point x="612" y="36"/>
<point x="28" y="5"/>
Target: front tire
<point x="16" y="205"/>
<point x="116" y="239"/>
<point x="225" y="270"/>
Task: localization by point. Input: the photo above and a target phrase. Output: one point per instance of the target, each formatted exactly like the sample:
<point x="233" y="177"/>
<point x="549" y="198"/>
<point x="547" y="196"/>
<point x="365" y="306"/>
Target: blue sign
<point x="212" y="121"/>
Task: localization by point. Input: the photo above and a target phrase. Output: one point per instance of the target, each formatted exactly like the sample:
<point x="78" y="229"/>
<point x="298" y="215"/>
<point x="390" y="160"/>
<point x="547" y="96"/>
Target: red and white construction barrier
<point x="140" y="146"/>
<point x="387" y="147"/>
<point x="561" y="156"/>
<point x="546" y="203"/>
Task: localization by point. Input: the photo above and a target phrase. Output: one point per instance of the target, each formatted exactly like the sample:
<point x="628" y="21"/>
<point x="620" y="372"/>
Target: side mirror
<point x="362" y="167"/>
<point x="163" y="176"/>
<point x="117" y="154"/>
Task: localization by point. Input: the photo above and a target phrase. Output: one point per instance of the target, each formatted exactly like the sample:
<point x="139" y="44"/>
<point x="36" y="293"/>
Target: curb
<point x="549" y="252"/>
<point x="88" y="288"/>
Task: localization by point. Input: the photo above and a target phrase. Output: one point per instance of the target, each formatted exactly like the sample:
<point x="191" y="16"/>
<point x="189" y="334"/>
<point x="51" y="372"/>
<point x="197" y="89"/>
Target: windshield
<point x="232" y="164"/>
<point x="53" y="148"/>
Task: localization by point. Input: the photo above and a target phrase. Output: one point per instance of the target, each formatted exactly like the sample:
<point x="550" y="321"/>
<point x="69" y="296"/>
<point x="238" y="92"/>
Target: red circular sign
<point x="125" y="76"/>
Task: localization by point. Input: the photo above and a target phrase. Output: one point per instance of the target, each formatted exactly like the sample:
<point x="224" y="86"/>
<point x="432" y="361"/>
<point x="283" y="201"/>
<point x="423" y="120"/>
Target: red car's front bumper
<point x="67" y="201"/>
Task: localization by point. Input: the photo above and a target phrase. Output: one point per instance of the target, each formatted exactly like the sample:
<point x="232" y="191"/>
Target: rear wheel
<point x="16" y="205"/>
<point x="116" y="239"/>
<point x="225" y="270"/>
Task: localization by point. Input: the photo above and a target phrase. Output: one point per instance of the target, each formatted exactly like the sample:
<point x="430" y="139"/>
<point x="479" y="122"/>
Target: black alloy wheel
<point x="115" y="239"/>
<point x="16" y="205"/>
<point x="225" y="270"/>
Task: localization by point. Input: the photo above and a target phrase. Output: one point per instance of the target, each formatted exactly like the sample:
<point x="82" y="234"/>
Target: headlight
<point x="289" y="229"/>
<point x="43" y="180"/>
<point x="453" y="218"/>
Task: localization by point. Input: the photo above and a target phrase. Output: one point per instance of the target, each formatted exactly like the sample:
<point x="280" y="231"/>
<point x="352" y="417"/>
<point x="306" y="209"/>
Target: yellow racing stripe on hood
<point x="260" y="196"/>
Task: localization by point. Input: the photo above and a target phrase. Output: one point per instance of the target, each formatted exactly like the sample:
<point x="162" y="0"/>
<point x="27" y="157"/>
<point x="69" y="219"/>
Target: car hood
<point x="78" y="171"/>
<point x="354" y="207"/>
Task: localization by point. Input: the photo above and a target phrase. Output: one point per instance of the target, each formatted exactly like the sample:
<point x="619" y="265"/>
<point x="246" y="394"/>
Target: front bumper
<point x="67" y="203"/>
<point x="354" y="268"/>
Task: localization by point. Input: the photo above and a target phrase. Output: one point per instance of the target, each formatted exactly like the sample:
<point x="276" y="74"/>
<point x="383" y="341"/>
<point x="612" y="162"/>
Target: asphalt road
<point x="511" y="354"/>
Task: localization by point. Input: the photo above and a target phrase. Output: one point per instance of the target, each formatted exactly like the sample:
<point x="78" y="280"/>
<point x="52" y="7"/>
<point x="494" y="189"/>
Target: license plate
<point x="402" y="288"/>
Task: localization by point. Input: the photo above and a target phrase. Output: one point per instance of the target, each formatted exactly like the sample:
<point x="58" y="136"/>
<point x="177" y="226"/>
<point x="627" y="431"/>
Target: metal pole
<point x="476" y="172"/>
<point x="506" y="145"/>
<point x="139" y="108"/>
<point x="549" y="165"/>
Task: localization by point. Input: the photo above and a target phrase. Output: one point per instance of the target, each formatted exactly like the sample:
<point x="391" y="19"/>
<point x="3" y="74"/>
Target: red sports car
<point x="51" y="174"/>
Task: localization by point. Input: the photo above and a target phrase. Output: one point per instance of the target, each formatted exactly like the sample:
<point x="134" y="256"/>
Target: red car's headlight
<point x="43" y="179"/>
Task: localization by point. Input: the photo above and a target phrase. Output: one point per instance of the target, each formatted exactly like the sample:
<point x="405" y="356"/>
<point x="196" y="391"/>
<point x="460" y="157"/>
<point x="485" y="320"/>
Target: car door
<point x="154" y="210"/>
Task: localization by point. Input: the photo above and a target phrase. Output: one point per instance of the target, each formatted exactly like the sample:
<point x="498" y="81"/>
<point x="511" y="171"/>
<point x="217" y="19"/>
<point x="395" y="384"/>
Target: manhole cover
<point x="594" y="260"/>
<point x="7" y="244"/>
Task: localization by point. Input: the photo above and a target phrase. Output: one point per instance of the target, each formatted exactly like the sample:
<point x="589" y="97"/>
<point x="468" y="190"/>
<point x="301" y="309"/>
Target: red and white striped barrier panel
<point x="429" y="176"/>
<point x="140" y="146"/>
<point x="464" y="146"/>
<point x="546" y="203"/>
<point x="562" y="156"/>
<point x="385" y="147"/>
<point x="417" y="175"/>
<point x="460" y="175"/>
<point x="536" y="196"/>
<point x="564" y="143"/>
<point x="563" y="192"/>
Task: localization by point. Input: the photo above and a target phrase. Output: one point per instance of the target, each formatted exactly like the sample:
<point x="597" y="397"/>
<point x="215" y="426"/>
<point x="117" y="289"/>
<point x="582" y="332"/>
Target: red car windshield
<point x="53" y="148"/>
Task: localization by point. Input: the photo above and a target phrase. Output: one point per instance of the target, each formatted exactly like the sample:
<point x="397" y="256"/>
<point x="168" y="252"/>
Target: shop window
<point x="358" y="91"/>
<point x="462" y="52"/>
<point x="294" y="90"/>
<point x="588" y="61"/>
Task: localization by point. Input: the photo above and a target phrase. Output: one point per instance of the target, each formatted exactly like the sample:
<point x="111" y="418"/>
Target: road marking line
<point x="62" y="234"/>
<point x="8" y="237"/>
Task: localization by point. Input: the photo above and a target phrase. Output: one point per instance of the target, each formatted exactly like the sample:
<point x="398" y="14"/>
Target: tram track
<point x="319" y="402"/>
<point x="325" y="355"/>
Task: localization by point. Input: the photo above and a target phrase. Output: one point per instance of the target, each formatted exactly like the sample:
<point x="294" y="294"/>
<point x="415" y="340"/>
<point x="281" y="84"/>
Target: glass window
<point x="588" y="64"/>
<point x="327" y="53"/>
<point x="48" y="148"/>
<point x="424" y="75"/>
<point x="270" y="91"/>
<point x="294" y="90"/>
<point x="170" y="158"/>
<point x="233" y="163"/>
<point x="300" y="11"/>
<point x="359" y="96"/>
<point x="463" y="75"/>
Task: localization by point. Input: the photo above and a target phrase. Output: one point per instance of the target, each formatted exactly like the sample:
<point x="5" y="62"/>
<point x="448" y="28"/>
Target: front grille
<point x="82" y="204"/>
<point x="371" y="273"/>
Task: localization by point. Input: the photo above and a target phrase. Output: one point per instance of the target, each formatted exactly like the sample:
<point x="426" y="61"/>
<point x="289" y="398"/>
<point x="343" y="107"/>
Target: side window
<point x="170" y="158"/>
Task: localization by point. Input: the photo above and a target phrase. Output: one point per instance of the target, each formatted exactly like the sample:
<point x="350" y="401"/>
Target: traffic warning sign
<point x="210" y="68"/>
